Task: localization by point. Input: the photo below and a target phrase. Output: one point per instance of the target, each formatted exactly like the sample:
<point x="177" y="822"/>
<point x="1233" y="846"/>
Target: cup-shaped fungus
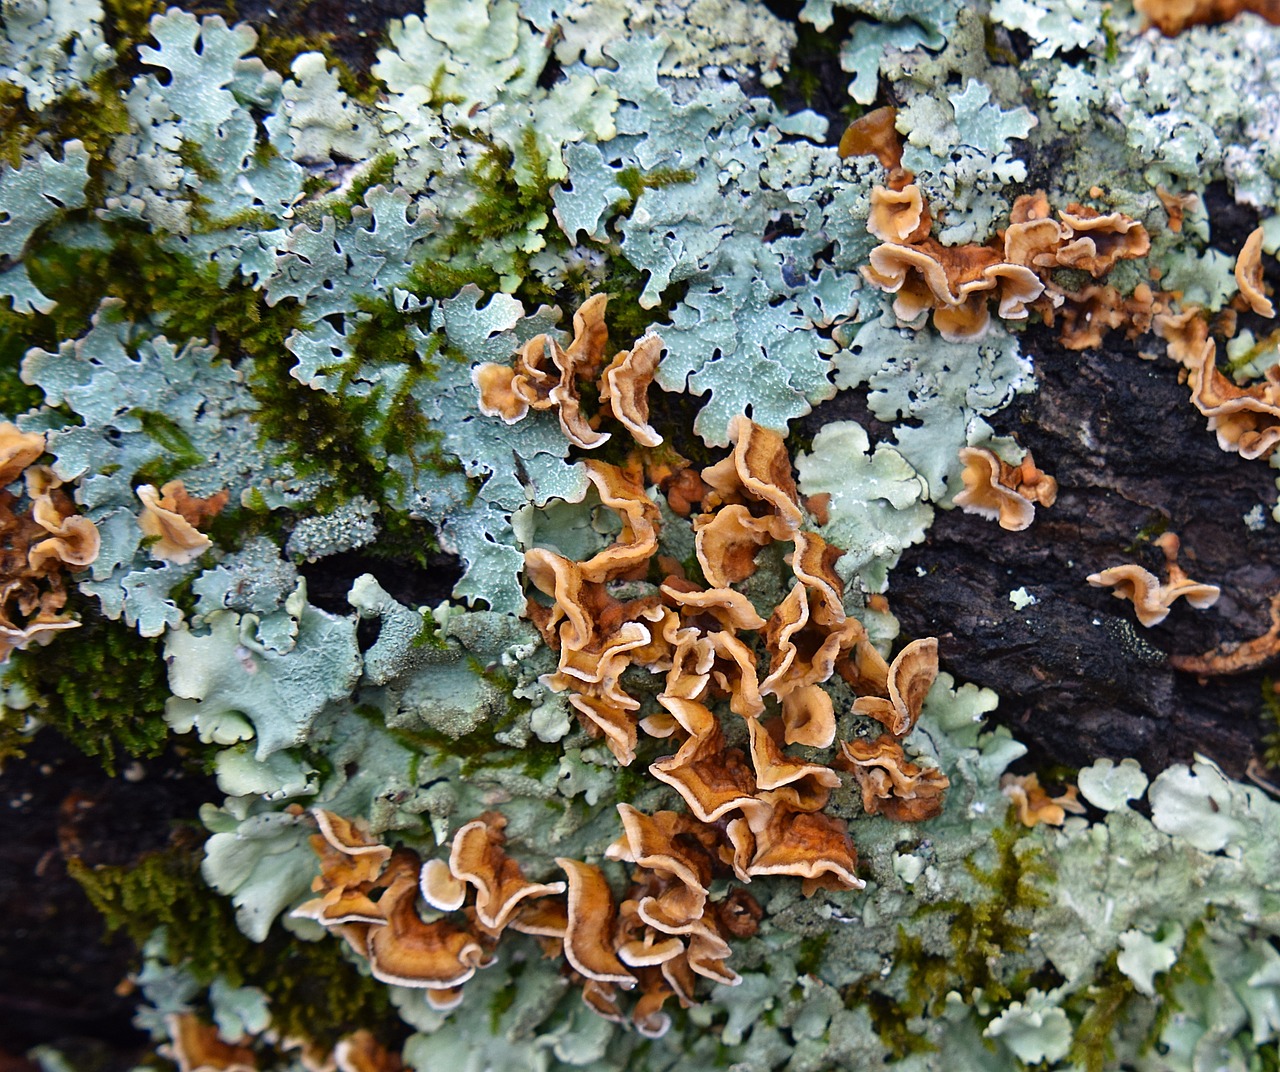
<point x="1249" y="275"/>
<point x="169" y="516"/>
<point x="1001" y="492"/>
<point x="1034" y="805"/>
<point x="1152" y="600"/>
<point x="891" y="784"/>
<point x="1095" y="242"/>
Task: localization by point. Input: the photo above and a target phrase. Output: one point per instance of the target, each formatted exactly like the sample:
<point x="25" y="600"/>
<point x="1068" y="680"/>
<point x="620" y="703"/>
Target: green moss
<point x="1113" y="39"/>
<point x="378" y="171"/>
<point x="101" y="686"/>
<point x="982" y="933"/>
<point x="1271" y="723"/>
<point x="1191" y="966"/>
<point x="505" y="205"/>
<point x="809" y="958"/>
<point x="1101" y="1007"/>
<point x="314" y="992"/>
<point x="15" y="735"/>
<point x="96" y="116"/>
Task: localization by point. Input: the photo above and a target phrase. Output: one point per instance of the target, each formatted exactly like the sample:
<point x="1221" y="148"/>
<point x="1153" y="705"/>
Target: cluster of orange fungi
<point x="42" y="542"/>
<point x="1245" y="419"/>
<point x="196" y="1046"/>
<point x="1153" y="599"/>
<point x="1174" y="16"/>
<point x="548" y="376"/>
<point x="1015" y="270"/>
<point x="750" y="807"/>
<point x="1001" y="492"/>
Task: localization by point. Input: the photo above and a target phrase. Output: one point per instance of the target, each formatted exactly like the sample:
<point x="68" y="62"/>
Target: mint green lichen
<point x="224" y="266"/>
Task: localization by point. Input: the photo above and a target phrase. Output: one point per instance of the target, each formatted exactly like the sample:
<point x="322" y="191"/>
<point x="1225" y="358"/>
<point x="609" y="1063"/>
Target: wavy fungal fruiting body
<point x="751" y="807"/>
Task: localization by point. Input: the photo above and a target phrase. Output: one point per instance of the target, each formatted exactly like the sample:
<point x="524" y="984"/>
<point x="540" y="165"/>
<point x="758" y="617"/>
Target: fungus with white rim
<point x="1153" y="600"/>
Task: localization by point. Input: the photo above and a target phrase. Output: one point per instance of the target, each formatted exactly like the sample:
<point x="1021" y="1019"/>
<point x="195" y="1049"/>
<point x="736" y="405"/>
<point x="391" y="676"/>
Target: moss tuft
<point x="314" y="992"/>
<point x="101" y="686"/>
<point x="1271" y="723"/>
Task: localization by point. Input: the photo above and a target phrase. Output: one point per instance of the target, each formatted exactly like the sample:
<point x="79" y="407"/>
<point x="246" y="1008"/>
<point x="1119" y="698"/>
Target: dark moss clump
<point x="1271" y="720"/>
<point x="314" y="992"/>
<point x="101" y="686"/>
<point x="982" y="933"/>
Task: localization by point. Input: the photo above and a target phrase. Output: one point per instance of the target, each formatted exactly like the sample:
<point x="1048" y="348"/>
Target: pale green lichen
<point x="267" y="285"/>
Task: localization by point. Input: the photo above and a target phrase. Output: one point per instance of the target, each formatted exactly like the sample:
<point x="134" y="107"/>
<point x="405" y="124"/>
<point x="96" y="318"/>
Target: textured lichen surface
<point x="263" y="285"/>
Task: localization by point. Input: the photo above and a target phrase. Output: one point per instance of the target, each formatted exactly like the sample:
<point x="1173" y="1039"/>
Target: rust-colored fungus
<point x="1174" y="16"/>
<point x="1249" y="275"/>
<point x="1015" y="268"/>
<point x="169" y="517"/>
<point x="1236" y="658"/>
<point x="891" y="784"/>
<point x="362" y="1052"/>
<point x="478" y="857"/>
<point x="549" y="376"/>
<point x="1152" y="600"/>
<point x="750" y="808"/>
<point x="18" y="450"/>
<point x="874" y="134"/>
<point x="625" y="385"/>
<point x="1034" y="806"/>
<point x="196" y="1046"/>
<point x="41" y="544"/>
<point x="1176" y="206"/>
<point x="588" y="941"/>
<point x="911" y="676"/>
<point x="998" y="491"/>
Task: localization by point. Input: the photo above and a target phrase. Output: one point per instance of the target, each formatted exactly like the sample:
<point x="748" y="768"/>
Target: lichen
<point x="228" y="261"/>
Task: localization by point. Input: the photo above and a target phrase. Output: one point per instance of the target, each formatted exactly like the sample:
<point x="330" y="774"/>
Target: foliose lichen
<point x="251" y="278"/>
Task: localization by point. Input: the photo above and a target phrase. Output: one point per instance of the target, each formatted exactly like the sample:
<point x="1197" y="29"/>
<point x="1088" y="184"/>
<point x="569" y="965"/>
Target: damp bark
<point x="1078" y="678"/>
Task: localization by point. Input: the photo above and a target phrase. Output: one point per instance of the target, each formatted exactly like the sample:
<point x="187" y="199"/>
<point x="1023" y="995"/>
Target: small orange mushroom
<point x="1152" y="600"/>
<point x="1249" y="275"/>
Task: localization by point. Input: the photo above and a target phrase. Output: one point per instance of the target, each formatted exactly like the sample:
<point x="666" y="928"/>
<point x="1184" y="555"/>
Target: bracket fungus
<point x="42" y="544"/>
<point x="170" y="518"/>
<point x="548" y="376"/>
<point x="1153" y="600"/>
<point x="998" y="491"/>
<point x="1015" y="268"/>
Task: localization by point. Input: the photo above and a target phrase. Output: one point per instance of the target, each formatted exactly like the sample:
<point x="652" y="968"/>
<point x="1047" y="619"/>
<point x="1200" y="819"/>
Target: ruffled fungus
<point x="1249" y="275"/>
<point x="891" y="784"/>
<point x="1174" y="16"/>
<point x="625" y="384"/>
<point x="169" y="517"/>
<point x="874" y="134"/>
<point x="1034" y="805"/>
<point x="748" y="812"/>
<point x="41" y="545"/>
<point x="1236" y="658"/>
<point x="17" y="451"/>
<point x="548" y="376"/>
<point x="479" y="858"/>
<point x="1152" y="600"/>
<point x="196" y="1046"/>
<point x="998" y="491"/>
<point x="1015" y="268"/>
